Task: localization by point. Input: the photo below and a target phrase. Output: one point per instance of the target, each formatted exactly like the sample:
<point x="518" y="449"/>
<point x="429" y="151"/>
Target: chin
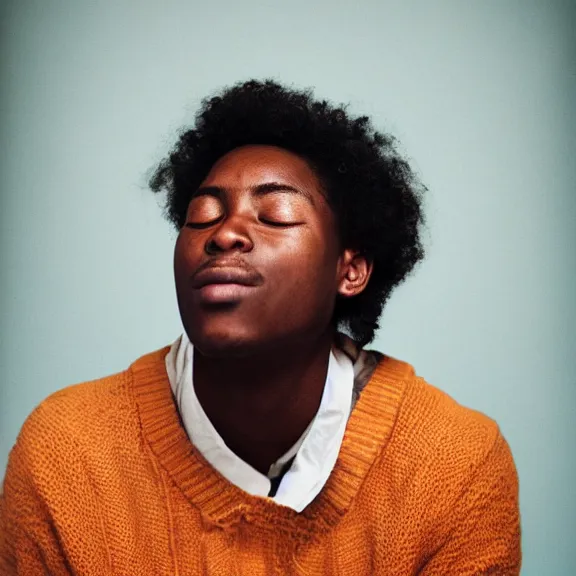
<point x="224" y="343"/>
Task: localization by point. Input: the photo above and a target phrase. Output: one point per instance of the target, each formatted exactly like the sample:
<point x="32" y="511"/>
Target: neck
<point x="261" y="404"/>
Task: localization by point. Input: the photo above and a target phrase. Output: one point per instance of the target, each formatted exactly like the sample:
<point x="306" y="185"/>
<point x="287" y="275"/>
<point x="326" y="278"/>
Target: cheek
<point x="186" y="252"/>
<point x="305" y="272"/>
<point x="184" y="260"/>
<point x="179" y="257"/>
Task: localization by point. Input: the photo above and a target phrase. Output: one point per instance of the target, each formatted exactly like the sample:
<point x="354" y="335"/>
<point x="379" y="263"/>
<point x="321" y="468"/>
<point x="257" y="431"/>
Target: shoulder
<point x="443" y="443"/>
<point x="436" y="422"/>
<point x="427" y="415"/>
<point x="449" y="461"/>
<point x="82" y="422"/>
<point x="78" y="409"/>
<point x="86" y="407"/>
<point x="448" y="471"/>
<point x="68" y="425"/>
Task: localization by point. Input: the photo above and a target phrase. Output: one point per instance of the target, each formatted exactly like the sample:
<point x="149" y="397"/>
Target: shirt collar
<point x="314" y="454"/>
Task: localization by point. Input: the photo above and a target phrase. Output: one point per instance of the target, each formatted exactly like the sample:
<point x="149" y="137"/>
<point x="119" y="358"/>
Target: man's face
<point x="257" y="263"/>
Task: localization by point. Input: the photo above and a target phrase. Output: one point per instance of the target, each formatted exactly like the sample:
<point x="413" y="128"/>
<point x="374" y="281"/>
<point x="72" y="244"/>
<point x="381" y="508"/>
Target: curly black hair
<point x="375" y="195"/>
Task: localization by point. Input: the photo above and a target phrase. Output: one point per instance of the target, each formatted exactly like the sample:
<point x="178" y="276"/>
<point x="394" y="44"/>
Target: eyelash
<point x="200" y="225"/>
<point x="276" y="224"/>
<point x="204" y="225"/>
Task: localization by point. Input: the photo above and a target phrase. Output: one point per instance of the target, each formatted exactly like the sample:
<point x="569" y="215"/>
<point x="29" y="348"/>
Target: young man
<point x="266" y="439"/>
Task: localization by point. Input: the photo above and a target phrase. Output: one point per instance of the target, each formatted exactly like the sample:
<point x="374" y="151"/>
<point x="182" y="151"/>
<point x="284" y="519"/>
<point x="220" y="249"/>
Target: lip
<point x="225" y="284"/>
<point x="224" y="293"/>
<point x="226" y="275"/>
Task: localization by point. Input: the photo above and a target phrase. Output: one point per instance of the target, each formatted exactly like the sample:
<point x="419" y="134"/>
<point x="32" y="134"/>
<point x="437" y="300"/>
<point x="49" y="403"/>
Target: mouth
<point x="225" y="284"/>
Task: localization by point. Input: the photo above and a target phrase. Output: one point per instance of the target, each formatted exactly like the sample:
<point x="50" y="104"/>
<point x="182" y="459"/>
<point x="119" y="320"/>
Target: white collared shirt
<point x="315" y="452"/>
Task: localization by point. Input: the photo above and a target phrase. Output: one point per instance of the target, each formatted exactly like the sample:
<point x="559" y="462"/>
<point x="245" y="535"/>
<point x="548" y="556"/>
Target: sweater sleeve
<point x="28" y="542"/>
<point x="486" y="536"/>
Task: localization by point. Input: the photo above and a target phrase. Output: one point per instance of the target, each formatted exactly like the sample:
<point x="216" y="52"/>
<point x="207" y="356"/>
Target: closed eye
<point x="279" y="224"/>
<point x="202" y="225"/>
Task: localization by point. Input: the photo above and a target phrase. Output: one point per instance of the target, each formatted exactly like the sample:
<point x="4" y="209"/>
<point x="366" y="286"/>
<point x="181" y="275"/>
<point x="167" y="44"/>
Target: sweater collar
<point x="225" y="505"/>
<point x="309" y="461"/>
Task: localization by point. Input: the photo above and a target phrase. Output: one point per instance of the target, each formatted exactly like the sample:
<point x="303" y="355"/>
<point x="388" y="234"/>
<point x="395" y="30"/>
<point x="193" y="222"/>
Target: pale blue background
<point x="482" y="96"/>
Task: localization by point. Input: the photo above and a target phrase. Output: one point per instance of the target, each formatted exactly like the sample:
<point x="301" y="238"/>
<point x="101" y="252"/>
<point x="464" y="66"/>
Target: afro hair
<point x="372" y="190"/>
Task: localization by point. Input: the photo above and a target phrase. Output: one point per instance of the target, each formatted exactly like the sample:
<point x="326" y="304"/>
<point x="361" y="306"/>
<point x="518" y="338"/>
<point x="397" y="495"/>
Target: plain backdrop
<point x="481" y="95"/>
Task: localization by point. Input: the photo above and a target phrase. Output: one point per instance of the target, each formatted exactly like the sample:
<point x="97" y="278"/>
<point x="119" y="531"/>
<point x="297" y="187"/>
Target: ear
<point x="354" y="272"/>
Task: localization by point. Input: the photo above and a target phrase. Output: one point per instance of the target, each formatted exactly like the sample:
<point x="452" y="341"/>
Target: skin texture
<point x="258" y="267"/>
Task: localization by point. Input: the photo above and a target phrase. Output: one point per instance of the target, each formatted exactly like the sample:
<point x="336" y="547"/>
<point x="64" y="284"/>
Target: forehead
<point x="251" y="165"/>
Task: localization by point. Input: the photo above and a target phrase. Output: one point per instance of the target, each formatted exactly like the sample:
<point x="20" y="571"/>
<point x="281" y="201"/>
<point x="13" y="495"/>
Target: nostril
<point x="212" y="247"/>
<point x="224" y="242"/>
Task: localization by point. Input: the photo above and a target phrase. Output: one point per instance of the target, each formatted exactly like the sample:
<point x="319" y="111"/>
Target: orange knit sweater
<point x="103" y="480"/>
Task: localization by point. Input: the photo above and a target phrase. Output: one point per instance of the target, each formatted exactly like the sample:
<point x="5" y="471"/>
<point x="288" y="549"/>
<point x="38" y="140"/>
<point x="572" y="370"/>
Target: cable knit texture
<point x="103" y="480"/>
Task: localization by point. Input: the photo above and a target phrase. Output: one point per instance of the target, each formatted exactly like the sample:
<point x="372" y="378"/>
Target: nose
<point x="231" y="235"/>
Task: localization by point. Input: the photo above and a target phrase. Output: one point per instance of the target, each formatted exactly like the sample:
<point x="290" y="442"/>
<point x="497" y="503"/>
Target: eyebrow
<point x="259" y="190"/>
